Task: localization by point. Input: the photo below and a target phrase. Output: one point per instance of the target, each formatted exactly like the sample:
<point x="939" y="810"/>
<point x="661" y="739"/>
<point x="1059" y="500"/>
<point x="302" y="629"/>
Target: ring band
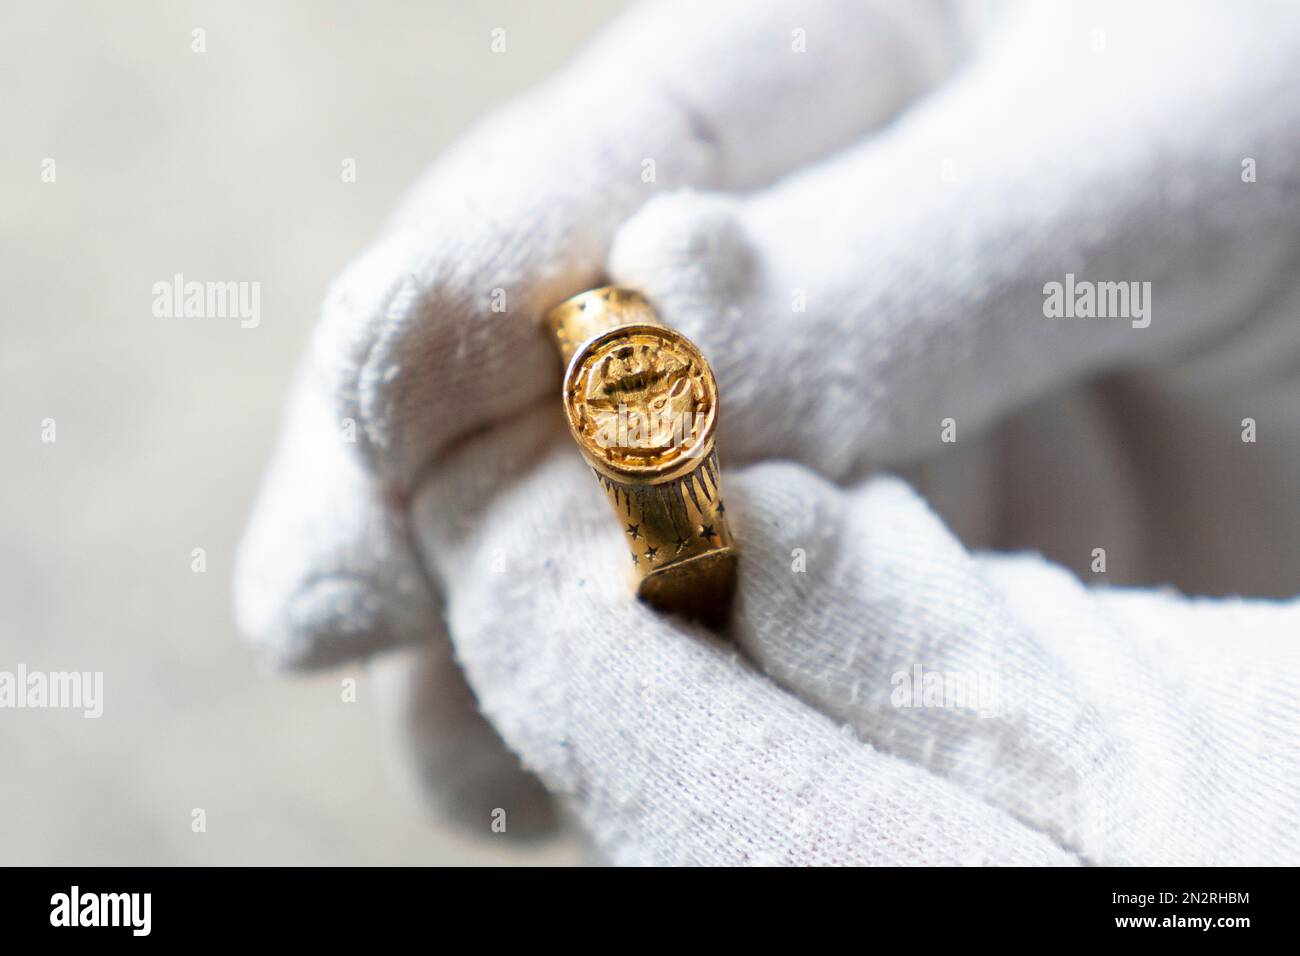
<point x="642" y="404"/>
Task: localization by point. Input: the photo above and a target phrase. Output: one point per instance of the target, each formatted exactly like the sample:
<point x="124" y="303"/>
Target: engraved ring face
<point x="642" y="402"/>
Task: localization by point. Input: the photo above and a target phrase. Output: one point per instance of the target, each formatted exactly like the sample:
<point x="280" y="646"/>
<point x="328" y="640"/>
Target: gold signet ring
<point x="642" y="405"/>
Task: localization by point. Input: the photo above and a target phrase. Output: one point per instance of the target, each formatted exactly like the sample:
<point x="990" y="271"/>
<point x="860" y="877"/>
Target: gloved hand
<point x="1129" y="727"/>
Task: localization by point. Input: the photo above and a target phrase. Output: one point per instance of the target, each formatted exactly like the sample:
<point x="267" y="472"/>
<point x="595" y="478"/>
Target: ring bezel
<point x="679" y="465"/>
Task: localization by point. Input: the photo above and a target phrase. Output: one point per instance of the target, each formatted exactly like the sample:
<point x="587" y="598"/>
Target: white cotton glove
<point x="1108" y="727"/>
<point x="921" y="252"/>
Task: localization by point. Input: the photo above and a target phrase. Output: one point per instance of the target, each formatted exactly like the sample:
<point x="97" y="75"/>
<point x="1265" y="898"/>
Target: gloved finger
<point x="1057" y="209"/>
<point x="430" y="334"/>
<point x="325" y="570"/>
<point x="1008" y="677"/>
<point x="445" y="753"/>
<point x="669" y="746"/>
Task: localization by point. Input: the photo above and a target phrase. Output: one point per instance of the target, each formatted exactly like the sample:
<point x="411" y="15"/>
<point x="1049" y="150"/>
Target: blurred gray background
<point x="225" y="166"/>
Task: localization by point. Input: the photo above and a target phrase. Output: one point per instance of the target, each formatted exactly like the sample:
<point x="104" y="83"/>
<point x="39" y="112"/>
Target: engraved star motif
<point x="722" y="509"/>
<point x="634" y="558"/>
<point x="650" y="553"/>
<point x="634" y="530"/>
<point x="706" y="531"/>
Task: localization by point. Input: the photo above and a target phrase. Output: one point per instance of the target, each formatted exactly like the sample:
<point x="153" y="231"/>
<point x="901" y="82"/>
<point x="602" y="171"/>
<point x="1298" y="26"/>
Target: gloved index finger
<point x="1052" y="213"/>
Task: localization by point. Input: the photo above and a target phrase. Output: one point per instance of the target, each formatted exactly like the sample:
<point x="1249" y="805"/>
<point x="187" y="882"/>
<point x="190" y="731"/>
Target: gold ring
<point x="642" y="404"/>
